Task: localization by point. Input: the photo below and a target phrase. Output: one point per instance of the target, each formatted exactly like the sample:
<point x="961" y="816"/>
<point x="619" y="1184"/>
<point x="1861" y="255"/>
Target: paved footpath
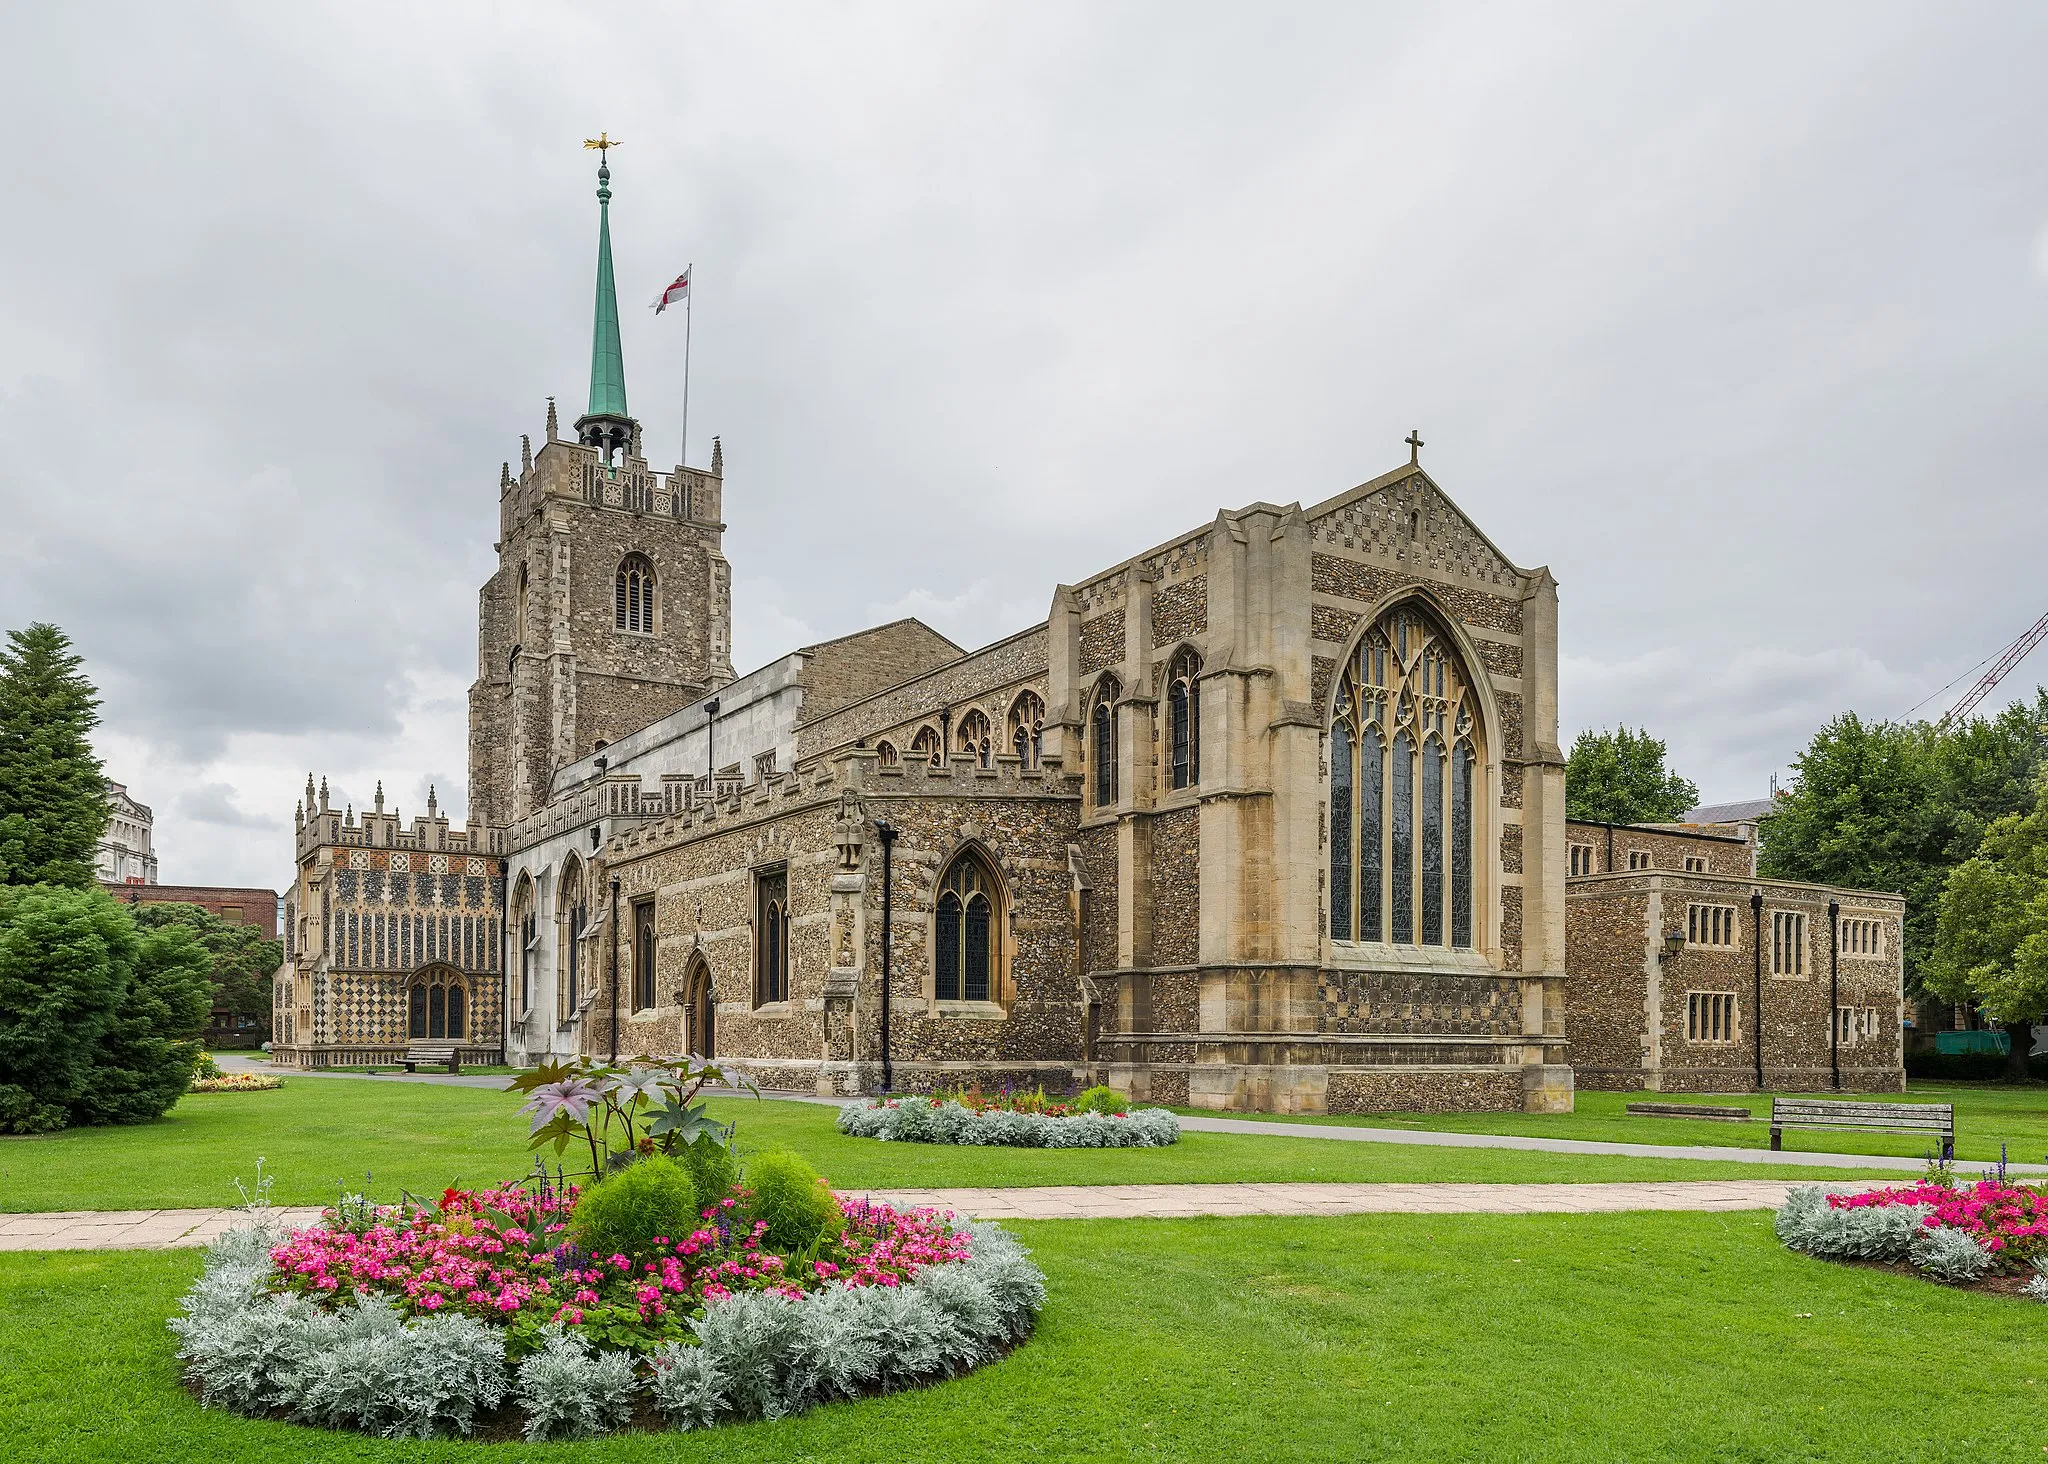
<point x="162" y="1229"/>
<point x="1427" y="1138"/>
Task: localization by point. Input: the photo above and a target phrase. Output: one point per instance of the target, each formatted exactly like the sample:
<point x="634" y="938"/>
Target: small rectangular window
<point x="1710" y="1017"/>
<point x="1861" y="937"/>
<point x="1710" y="925"/>
<point x="1581" y="856"/>
<point x="1694" y="864"/>
<point x="1638" y="859"/>
<point x="1788" y="943"/>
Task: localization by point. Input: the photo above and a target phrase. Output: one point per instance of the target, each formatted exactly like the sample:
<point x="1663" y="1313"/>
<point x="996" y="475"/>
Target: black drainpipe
<point x="887" y="833"/>
<point x="1756" y="941"/>
<point x="1835" y="993"/>
<point x="615" y="970"/>
<point x="1610" y="848"/>
<point x="505" y="959"/>
<point x="710" y="746"/>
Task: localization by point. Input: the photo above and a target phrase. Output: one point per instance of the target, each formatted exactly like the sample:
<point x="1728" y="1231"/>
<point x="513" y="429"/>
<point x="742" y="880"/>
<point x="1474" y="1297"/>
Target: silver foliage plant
<point x="359" y="1367"/>
<point x="2037" y="1284"/>
<point x="757" y="1354"/>
<point x="916" y="1121"/>
<point x="1951" y="1255"/>
<point x="1858" y="1233"/>
<point x="570" y="1390"/>
<point x="760" y="1355"/>
<point x="1881" y="1233"/>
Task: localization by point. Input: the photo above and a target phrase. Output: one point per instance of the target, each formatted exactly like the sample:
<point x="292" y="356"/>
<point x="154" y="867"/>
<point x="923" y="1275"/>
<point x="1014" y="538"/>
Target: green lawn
<point x="1987" y="1114"/>
<point x="317" y="1133"/>
<point x="1439" y="1338"/>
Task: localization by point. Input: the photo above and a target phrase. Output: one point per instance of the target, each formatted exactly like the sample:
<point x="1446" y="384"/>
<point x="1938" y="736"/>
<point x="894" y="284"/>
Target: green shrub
<point x="625" y="1212"/>
<point x="1101" y="1100"/>
<point x="714" y="1170"/>
<point x="207" y="1068"/>
<point x="788" y="1194"/>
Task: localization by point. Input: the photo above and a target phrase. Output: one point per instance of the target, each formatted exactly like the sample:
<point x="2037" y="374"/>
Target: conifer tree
<point x="53" y="793"/>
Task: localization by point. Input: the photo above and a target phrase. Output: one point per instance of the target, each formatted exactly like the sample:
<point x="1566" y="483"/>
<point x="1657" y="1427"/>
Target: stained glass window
<point x="1401" y="839"/>
<point x="946" y="975"/>
<point x="975" y="957"/>
<point x="964" y="931"/>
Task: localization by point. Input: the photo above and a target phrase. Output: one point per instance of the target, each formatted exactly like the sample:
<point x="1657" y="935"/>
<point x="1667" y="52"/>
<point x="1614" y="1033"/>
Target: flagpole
<point x="689" y="301"/>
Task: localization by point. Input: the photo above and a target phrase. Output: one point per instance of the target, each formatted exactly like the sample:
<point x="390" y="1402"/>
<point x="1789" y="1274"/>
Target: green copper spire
<point x="607" y="360"/>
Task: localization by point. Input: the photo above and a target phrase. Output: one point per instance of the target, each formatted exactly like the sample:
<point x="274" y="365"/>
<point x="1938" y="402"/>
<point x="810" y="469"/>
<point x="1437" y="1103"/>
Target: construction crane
<point x="2008" y="658"/>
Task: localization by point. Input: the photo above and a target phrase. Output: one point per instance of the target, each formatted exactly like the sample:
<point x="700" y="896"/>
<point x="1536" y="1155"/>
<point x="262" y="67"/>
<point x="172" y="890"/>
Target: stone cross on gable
<point x="1414" y="441"/>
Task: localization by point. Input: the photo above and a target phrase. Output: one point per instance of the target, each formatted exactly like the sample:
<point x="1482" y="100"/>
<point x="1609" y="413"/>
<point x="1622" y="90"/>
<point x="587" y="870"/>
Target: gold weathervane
<point x="600" y="143"/>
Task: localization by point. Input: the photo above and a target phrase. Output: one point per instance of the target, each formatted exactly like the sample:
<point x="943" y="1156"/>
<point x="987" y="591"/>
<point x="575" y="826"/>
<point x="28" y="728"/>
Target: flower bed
<point x="945" y="1120"/>
<point x="678" y="1288"/>
<point x="237" y="1083"/>
<point x="1963" y="1234"/>
<point x="476" y="1313"/>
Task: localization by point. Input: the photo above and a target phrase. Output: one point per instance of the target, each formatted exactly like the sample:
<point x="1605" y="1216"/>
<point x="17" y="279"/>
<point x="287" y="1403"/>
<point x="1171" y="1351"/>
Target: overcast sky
<point x="1734" y="316"/>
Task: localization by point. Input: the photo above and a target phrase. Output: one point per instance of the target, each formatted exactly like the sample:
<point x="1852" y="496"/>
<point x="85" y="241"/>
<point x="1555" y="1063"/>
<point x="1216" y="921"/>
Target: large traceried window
<point x="1027" y="727"/>
<point x="965" y="945"/>
<point x="1184" y="720"/>
<point x="926" y="748"/>
<point x="1405" y="774"/>
<point x="1102" y="742"/>
<point x="435" y="1007"/>
<point x="633" y="595"/>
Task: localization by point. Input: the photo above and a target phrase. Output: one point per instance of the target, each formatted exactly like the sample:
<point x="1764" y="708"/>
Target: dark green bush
<point x="1100" y="1099"/>
<point x="714" y="1169"/>
<point x="1969" y="1067"/>
<point x="627" y="1211"/>
<point x="788" y="1194"/>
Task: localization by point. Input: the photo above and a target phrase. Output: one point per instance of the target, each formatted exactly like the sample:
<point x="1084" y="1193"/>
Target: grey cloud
<point x="1746" y="341"/>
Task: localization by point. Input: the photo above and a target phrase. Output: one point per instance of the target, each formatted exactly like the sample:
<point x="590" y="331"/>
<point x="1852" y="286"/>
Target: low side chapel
<point x="1270" y="815"/>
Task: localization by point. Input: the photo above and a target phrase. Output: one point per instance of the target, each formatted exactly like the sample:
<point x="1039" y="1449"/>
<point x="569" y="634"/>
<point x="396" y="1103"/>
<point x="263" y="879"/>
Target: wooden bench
<point x="431" y="1054"/>
<point x="1691" y="1110"/>
<point x="1871" y="1118"/>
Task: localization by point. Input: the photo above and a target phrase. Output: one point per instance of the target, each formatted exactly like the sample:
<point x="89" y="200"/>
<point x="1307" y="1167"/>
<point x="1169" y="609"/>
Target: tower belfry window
<point x="633" y="595"/>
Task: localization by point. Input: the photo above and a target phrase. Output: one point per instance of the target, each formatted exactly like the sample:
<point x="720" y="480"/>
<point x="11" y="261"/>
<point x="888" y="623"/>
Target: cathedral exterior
<point x="1270" y="815"/>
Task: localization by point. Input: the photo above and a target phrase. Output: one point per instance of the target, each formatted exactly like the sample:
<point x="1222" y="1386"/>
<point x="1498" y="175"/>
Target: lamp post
<point x="886" y="832"/>
<point x="1756" y="942"/>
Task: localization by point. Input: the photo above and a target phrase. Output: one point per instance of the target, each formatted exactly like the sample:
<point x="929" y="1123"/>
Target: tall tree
<point x="1897" y="805"/>
<point x="53" y="793"/>
<point x="1991" y="940"/>
<point x="99" y="1023"/>
<point x="1620" y="777"/>
<point x="242" y="960"/>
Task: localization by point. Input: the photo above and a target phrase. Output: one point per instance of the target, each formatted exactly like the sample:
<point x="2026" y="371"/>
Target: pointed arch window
<point x="925" y="747"/>
<point x="1102" y="741"/>
<point x="972" y="738"/>
<point x="1405" y="768"/>
<point x="519" y="615"/>
<point x="1184" y="719"/>
<point x="1027" y="728"/>
<point x="524" y="920"/>
<point x="771" y="935"/>
<point x="571" y="915"/>
<point x="965" y="945"/>
<point x="633" y="595"/>
<point x="700" y="1007"/>
<point x="885" y="754"/>
<point x="436" y="1008"/>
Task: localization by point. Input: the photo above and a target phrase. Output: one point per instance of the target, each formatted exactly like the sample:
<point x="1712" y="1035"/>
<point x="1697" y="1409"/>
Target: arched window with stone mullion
<point x="1102" y="742"/>
<point x="1403" y="806"/>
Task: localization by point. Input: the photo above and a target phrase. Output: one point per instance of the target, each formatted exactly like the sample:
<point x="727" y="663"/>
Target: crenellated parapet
<point x="315" y="823"/>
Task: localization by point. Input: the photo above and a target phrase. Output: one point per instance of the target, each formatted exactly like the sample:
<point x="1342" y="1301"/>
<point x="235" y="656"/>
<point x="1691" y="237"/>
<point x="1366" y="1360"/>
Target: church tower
<point x="612" y="602"/>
